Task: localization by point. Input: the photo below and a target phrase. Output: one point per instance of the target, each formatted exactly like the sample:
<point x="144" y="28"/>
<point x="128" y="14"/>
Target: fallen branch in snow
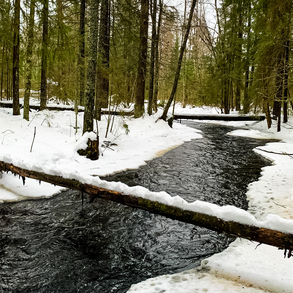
<point x="35" y="130"/>
<point x="262" y="235"/>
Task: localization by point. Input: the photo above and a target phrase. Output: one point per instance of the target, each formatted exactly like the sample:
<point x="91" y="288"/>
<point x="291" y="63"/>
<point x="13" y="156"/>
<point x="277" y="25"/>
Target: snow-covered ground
<point x="243" y="267"/>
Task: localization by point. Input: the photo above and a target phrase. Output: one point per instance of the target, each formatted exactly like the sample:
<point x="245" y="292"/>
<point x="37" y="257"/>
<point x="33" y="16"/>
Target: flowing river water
<point x="55" y="245"/>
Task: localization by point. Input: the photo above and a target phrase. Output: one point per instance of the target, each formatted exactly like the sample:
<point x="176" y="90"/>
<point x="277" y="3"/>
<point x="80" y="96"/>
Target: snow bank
<point x="243" y="267"/>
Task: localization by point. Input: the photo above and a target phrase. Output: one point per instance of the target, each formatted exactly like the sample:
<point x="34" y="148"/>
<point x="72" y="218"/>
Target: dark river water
<point x="55" y="245"/>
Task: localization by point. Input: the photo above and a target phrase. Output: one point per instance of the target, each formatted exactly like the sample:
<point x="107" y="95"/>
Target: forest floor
<point x="49" y="143"/>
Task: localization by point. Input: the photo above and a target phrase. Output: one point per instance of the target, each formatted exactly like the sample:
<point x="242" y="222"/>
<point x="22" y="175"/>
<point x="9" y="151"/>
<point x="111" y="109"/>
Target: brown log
<point x="262" y="235"/>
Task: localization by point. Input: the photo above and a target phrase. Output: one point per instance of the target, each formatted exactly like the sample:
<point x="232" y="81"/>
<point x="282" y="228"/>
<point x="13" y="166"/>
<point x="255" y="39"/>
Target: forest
<point x="100" y="53"/>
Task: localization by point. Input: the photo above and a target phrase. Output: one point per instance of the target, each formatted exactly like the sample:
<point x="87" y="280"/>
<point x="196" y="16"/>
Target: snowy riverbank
<point x="243" y="267"/>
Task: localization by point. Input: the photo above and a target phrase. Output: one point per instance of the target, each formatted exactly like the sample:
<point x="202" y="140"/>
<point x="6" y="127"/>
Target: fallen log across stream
<point x="219" y="117"/>
<point x="259" y="234"/>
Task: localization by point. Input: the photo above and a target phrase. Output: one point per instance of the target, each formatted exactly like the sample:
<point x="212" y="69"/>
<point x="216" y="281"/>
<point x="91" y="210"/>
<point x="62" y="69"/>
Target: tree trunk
<point x="2" y="73"/>
<point x="15" y="76"/>
<point x="246" y="101"/>
<point x="91" y="70"/>
<point x="7" y="77"/>
<point x="61" y="71"/>
<point x="81" y="56"/>
<point x="142" y="60"/>
<point x="286" y="77"/>
<point x="254" y="233"/>
<point x="152" y="61"/>
<point x="177" y="74"/>
<point x="246" y="98"/>
<point x="157" y="63"/>
<point x="279" y="89"/>
<point x="268" y="113"/>
<point x="238" y="64"/>
<point x="29" y="54"/>
<point x="43" y="102"/>
<point x="103" y="58"/>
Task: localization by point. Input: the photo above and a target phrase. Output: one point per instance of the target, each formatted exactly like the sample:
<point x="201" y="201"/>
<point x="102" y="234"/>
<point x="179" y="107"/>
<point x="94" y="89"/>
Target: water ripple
<point x="52" y="245"/>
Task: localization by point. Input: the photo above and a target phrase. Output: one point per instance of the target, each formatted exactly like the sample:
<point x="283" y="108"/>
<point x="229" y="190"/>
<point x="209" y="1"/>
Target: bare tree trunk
<point x="2" y="73"/>
<point x="43" y="103"/>
<point x="152" y="61"/>
<point x="279" y="90"/>
<point x="184" y="62"/>
<point x="268" y="113"/>
<point x="15" y="76"/>
<point x="286" y="77"/>
<point x="142" y="60"/>
<point x="239" y="56"/>
<point x="246" y="98"/>
<point x="91" y="70"/>
<point x="157" y="62"/>
<point x="177" y="74"/>
<point x="7" y="77"/>
<point x="81" y="56"/>
<point x="103" y="58"/>
<point x="29" y="54"/>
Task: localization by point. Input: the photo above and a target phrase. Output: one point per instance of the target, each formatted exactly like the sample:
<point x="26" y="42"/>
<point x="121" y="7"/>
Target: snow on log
<point x="221" y="117"/>
<point x="8" y="104"/>
<point x="260" y="234"/>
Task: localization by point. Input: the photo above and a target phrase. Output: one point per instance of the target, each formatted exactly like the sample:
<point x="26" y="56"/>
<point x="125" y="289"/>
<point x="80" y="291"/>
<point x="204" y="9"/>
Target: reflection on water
<point x="53" y="245"/>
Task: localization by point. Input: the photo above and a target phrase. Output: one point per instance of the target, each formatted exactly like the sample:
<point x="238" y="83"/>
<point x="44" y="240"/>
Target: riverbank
<point x="243" y="267"/>
<point x="59" y="136"/>
<point x="246" y="266"/>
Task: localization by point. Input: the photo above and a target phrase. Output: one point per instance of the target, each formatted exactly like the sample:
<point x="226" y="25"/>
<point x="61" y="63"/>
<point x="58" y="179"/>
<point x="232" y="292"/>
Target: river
<point x="56" y="245"/>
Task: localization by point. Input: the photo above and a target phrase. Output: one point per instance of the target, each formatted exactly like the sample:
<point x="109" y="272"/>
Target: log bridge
<point x="219" y="117"/>
<point x="233" y="228"/>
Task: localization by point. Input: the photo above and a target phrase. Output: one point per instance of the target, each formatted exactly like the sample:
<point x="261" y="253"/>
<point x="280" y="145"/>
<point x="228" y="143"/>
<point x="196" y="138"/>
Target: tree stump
<point x="92" y="150"/>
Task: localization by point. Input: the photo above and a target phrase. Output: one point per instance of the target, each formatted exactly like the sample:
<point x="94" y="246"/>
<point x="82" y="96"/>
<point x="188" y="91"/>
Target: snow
<point x="242" y="267"/>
